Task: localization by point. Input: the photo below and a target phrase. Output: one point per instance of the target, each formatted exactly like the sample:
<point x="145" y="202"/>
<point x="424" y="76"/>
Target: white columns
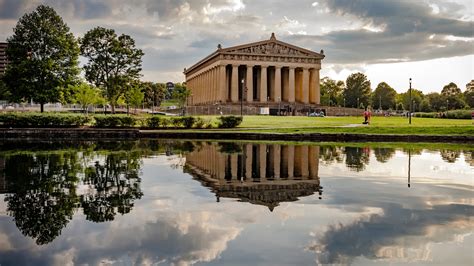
<point x="277" y="85"/>
<point x="234" y="94"/>
<point x="249" y="83"/>
<point x="291" y="87"/>
<point x="222" y="84"/>
<point x="263" y="84"/>
<point x="305" y="91"/>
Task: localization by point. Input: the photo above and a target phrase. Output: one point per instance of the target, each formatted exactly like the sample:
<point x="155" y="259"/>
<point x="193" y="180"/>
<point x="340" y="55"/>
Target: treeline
<point x="357" y="92"/>
<point x="44" y="66"/>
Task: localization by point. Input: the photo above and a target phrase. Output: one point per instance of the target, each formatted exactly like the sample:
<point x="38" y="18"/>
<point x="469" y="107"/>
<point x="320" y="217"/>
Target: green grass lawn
<point x="378" y="125"/>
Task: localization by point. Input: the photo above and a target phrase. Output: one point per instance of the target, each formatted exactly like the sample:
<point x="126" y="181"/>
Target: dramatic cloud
<point x="353" y="34"/>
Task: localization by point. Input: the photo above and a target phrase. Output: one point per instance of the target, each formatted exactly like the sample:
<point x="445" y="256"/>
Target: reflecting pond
<point x="180" y="202"/>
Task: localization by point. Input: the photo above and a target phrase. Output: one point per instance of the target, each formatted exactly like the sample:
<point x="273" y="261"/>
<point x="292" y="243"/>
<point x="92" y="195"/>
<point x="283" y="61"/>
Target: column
<point x="263" y="84"/>
<point x="234" y="94"/>
<point x="234" y="166"/>
<point x="222" y="84"/>
<point x="291" y="87"/>
<point x="248" y="161"/>
<point x="277" y="85"/>
<point x="305" y="90"/>
<point x="263" y="161"/>
<point x="291" y="161"/>
<point x="304" y="162"/>
<point x="317" y="87"/>
<point x="313" y="161"/>
<point x="276" y="160"/>
<point x="249" y="83"/>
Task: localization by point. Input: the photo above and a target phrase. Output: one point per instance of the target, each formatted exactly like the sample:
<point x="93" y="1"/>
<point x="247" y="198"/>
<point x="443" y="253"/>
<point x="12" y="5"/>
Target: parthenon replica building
<point x="266" y="72"/>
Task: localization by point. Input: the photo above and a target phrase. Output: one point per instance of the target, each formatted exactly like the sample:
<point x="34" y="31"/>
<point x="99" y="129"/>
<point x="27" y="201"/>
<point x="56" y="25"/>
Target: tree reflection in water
<point x="42" y="196"/>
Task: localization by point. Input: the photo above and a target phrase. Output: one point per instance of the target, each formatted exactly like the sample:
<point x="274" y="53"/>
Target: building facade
<point x="264" y="72"/>
<point x="3" y="57"/>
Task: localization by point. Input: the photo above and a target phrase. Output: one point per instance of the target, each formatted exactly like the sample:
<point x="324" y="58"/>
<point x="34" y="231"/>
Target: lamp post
<point x="380" y="102"/>
<point x="242" y="98"/>
<point x="409" y="113"/>
<point x="358" y="105"/>
<point x="447" y="105"/>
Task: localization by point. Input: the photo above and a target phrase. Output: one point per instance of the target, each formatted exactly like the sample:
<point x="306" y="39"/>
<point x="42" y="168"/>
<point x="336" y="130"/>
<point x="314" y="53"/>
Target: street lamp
<point x="358" y="105"/>
<point x="447" y="105"/>
<point x="242" y="98"/>
<point x="409" y="113"/>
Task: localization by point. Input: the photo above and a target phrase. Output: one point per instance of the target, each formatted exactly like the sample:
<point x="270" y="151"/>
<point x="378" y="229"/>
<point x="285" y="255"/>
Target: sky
<point x="430" y="41"/>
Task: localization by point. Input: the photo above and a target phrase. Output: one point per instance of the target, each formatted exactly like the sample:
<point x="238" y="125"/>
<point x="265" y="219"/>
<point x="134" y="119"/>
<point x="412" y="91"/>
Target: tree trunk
<point x="42" y="107"/>
<point x="113" y="108"/>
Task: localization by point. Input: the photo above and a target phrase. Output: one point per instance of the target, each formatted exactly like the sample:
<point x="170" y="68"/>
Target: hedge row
<point x="43" y="120"/>
<point x="455" y="114"/>
<point x="11" y="119"/>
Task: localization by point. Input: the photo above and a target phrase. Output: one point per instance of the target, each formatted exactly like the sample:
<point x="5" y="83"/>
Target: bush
<point x="107" y="121"/>
<point x="188" y="121"/>
<point x="27" y="119"/>
<point x="229" y="121"/>
<point x="154" y="122"/>
<point x="459" y="114"/>
<point x="425" y="115"/>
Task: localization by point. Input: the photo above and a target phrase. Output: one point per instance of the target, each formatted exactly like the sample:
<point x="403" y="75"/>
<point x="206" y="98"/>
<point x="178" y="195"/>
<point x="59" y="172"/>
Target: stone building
<point x="266" y="72"/>
<point x="263" y="174"/>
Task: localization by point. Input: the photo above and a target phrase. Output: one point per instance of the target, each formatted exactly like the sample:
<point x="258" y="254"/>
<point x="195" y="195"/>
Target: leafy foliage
<point x="113" y="61"/>
<point x="43" y="57"/>
<point x="331" y="92"/>
<point x="229" y="121"/>
<point x="12" y="119"/>
<point x="112" y="121"/>
<point x="86" y="95"/>
<point x="384" y="97"/>
<point x="357" y="90"/>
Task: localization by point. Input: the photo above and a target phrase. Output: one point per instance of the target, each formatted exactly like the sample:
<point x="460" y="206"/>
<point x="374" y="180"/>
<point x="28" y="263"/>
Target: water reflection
<point x="263" y="174"/>
<point x="130" y="203"/>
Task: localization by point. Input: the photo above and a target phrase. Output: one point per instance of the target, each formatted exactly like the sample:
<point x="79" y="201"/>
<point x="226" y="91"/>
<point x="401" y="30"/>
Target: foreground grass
<point x="378" y="125"/>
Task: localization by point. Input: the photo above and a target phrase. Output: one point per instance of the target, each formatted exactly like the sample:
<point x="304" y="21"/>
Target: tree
<point x="85" y="95"/>
<point x="181" y="94"/>
<point x="331" y="92"/>
<point x="357" y="90"/>
<point x="4" y="92"/>
<point x="43" y="57"/>
<point x="154" y="93"/>
<point x="416" y="98"/>
<point x="454" y="97"/>
<point x="134" y="96"/>
<point x="384" y="96"/>
<point x="469" y="94"/>
<point x="436" y="101"/>
<point x="113" y="61"/>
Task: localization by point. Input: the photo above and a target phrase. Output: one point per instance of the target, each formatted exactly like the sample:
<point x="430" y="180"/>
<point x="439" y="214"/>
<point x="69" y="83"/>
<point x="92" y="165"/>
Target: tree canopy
<point x="43" y="57"/>
<point x="113" y="61"/>
<point x="331" y="92"/>
<point x="384" y="97"/>
<point x="357" y="90"/>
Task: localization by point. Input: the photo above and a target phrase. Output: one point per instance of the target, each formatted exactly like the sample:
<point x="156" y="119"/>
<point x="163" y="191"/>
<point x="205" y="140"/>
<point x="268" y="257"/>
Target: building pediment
<point x="271" y="47"/>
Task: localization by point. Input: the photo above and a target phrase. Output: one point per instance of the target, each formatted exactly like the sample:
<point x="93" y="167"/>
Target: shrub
<point x="459" y="114"/>
<point x="154" y="122"/>
<point x="425" y="115"/>
<point x="29" y="119"/>
<point x="188" y="121"/>
<point x="229" y="121"/>
<point x="114" y="121"/>
<point x="176" y="122"/>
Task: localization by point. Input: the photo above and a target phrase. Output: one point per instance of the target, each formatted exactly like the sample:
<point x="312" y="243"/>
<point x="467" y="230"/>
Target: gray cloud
<point x="367" y="237"/>
<point x="11" y="9"/>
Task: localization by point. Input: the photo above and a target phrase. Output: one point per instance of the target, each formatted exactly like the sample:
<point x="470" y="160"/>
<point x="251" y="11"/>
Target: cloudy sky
<point x="431" y="41"/>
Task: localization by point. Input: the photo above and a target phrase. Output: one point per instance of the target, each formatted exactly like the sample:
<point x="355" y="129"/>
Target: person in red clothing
<point x="367" y="115"/>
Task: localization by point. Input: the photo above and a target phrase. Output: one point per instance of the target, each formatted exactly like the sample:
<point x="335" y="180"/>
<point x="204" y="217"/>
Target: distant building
<point x="265" y="73"/>
<point x="3" y="57"/>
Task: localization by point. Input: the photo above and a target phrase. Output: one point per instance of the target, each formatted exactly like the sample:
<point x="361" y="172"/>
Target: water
<point x="165" y="202"/>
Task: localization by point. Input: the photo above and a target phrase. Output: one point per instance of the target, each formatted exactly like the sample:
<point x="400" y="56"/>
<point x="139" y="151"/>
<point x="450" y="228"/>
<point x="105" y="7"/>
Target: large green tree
<point x="43" y="57"/>
<point x="154" y="93"/>
<point x="453" y="96"/>
<point x="357" y="91"/>
<point x="114" y="61"/>
<point x="384" y="96"/>
<point x="469" y="94"/>
<point x="331" y="92"/>
<point x="86" y="95"/>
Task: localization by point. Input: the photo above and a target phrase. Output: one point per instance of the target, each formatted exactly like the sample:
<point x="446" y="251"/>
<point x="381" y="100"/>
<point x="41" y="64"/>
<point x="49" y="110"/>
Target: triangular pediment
<point x="272" y="47"/>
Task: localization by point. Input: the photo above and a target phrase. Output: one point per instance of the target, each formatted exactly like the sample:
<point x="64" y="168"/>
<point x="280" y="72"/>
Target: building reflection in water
<point x="264" y="174"/>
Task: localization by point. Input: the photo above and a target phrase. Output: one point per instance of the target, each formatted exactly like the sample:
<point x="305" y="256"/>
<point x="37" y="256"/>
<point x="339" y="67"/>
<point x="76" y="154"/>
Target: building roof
<point x="265" y="47"/>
